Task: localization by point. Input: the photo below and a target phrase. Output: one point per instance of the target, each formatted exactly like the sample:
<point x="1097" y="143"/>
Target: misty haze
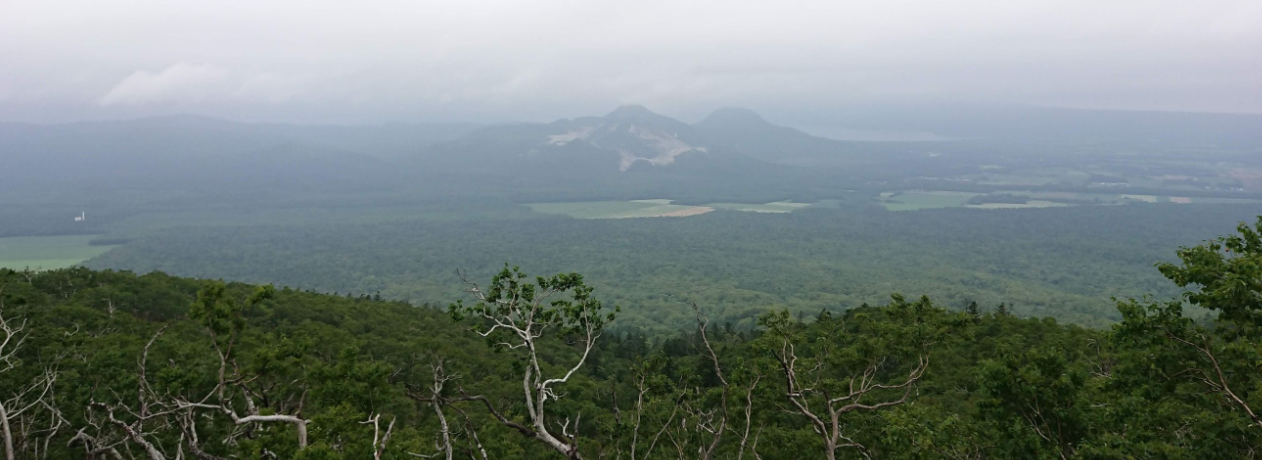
<point x="650" y="230"/>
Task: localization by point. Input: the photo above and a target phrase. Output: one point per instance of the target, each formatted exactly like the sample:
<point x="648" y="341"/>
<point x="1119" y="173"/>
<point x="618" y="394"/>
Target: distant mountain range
<point x="632" y="138"/>
<point x="202" y="152"/>
<point x="626" y="145"/>
<point x="1021" y="123"/>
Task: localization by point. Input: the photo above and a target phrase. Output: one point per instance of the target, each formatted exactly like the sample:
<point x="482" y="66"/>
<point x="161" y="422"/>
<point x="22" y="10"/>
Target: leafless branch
<point x="828" y="423"/>
<point x="379" y="440"/>
<point x="1218" y="380"/>
<point x="519" y="318"/>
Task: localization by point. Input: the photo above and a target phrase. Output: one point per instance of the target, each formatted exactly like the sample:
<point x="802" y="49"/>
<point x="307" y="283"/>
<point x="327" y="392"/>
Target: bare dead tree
<point x="436" y="389"/>
<point x="475" y="444"/>
<point x="436" y="400"/>
<point x="644" y="373"/>
<point x="516" y="314"/>
<point x="711" y="422"/>
<point x="252" y="415"/>
<point x="443" y="445"/>
<point x="753" y="446"/>
<point x="19" y="404"/>
<point x="13" y="338"/>
<point x="749" y="421"/>
<point x="221" y="318"/>
<point x="133" y="430"/>
<point x="37" y="437"/>
<point x="188" y="427"/>
<point x="698" y="419"/>
<point x="812" y="392"/>
<point x="150" y="414"/>
<point x="94" y="445"/>
<point x="379" y="439"/>
<point x="155" y="411"/>
<point x="21" y="407"/>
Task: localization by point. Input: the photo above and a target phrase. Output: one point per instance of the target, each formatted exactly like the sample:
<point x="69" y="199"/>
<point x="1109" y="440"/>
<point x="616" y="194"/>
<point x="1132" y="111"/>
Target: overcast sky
<point x="473" y="60"/>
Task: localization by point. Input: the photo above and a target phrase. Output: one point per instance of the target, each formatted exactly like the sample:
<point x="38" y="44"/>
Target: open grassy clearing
<point x="1201" y="200"/>
<point x="47" y="252"/>
<point x="1028" y="204"/>
<point x="892" y="200"/>
<point x="619" y="209"/>
<point x="912" y="201"/>
<point x="1071" y="197"/>
<point x="1115" y="198"/>
<point x="776" y="207"/>
<point x="920" y="199"/>
<point x="654" y="208"/>
<point x="1144" y="198"/>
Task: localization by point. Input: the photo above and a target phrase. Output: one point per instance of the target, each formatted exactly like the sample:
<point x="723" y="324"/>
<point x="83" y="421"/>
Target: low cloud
<point x="179" y="83"/>
<point x="271" y="88"/>
<point x="496" y="60"/>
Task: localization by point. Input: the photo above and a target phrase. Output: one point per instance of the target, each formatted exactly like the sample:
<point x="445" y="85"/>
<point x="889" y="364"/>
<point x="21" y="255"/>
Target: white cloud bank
<point x="489" y="60"/>
<point x="180" y="83"/>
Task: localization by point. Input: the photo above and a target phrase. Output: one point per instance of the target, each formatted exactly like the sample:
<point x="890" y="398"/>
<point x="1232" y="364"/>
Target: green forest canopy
<point x="108" y="364"/>
<point x="1064" y="263"/>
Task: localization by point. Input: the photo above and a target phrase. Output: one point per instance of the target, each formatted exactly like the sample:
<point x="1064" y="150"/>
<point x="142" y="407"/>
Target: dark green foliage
<point x="1216" y="362"/>
<point x="980" y="383"/>
<point x="1063" y="262"/>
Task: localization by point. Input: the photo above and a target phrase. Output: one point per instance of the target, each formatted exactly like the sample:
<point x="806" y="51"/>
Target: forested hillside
<point x="103" y="364"/>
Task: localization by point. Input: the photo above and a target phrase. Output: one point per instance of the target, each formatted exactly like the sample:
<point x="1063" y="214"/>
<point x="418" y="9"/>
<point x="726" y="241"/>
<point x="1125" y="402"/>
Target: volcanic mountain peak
<point x="634" y="132"/>
<point x="631" y="111"/>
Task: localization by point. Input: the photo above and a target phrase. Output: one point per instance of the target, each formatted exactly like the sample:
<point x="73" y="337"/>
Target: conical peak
<point x="631" y="111"/>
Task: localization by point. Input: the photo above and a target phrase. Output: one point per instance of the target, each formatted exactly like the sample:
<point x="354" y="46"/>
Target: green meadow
<point x="776" y="207"/>
<point x="912" y="201"/>
<point x="47" y="252"/>
<point x="1028" y="204"/>
<point x="612" y="209"/>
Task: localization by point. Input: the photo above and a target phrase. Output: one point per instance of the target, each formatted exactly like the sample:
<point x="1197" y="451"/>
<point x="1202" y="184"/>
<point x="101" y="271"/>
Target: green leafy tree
<point x="513" y="315"/>
<point x="1036" y="402"/>
<point x="1210" y="367"/>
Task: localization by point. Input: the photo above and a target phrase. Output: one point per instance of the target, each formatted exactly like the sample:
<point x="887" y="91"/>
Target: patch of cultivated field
<point x="1028" y="204"/>
<point x="921" y="199"/>
<point x="1200" y="200"/>
<point x="776" y="207"/>
<point x="911" y="201"/>
<point x="693" y="211"/>
<point x="1146" y="198"/>
<point x="47" y="252"/>
<point x="1101" y="198"/>
<point x="619" y="209"/>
